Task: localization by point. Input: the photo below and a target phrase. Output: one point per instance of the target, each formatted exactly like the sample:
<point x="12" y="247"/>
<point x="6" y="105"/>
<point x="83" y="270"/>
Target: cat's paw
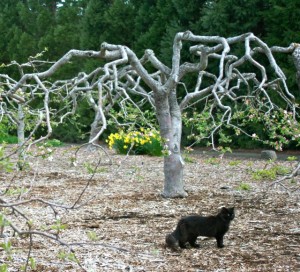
<point x="195" y="245"/>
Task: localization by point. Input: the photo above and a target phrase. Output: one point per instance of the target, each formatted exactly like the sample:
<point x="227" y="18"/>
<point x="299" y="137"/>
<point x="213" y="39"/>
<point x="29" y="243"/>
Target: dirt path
<point x="123" y="228"/>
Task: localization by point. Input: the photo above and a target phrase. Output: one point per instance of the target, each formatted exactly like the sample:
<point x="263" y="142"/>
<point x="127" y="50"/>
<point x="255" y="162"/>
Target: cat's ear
<point x="223" y="209"/>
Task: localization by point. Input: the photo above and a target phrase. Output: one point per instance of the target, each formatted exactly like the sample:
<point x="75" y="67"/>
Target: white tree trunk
<point x="169" y="118"/>
<point x="173" y="171"/>
<point x="296" y="58"/>
<point x="21" y="137"/>
<point x="21" y="125"/>
<point x="95" y="128"/>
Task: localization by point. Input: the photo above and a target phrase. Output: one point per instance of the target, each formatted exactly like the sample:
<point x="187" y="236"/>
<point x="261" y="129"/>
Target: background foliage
<point x="27" y="27"/>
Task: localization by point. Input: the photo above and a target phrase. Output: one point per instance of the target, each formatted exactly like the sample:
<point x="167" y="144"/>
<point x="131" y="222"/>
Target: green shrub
<point x="145" y="141"/>
<point x="5" y="164"/>
<point x="249" y="128"/>
<point x="5" y="136"/>
<point x="9" y="139"/>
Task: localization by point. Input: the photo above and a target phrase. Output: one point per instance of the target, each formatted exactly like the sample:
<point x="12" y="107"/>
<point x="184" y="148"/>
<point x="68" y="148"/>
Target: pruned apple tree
<point x="220" y="76"/>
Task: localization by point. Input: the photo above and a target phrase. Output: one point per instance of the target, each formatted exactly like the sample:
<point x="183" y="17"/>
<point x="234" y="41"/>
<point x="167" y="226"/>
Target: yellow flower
<point x="132" y="138"/>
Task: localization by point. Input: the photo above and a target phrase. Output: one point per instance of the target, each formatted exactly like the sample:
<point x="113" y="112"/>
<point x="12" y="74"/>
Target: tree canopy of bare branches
<point x="247" y="76"/>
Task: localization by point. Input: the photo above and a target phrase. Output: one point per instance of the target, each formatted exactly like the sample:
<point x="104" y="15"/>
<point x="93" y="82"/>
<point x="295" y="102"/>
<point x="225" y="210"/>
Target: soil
<point x="124" y="221"/>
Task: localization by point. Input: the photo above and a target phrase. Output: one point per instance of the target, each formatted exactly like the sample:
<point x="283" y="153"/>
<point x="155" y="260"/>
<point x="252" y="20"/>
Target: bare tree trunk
<point x="21" y="125"/>
<point x="173" y="171"/>
<point x="21" y="137"/>
<point x="96" y="125"/>
<point x="95" y="128"/>
<point x="169" y="118"/>
<point x="296" y="58"/>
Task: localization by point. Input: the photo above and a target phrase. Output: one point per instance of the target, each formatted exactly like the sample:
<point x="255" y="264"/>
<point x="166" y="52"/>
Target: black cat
<point x="190" y="227"/>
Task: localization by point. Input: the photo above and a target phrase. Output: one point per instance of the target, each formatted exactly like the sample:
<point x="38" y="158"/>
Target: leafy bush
<point x="5" y="137"/>
<point x="278" y="129"/>
<point x="9" y="139"/>
<point x="5" y="164"/>
<point x="251" y="128"/>
<point x="145" y="141"/>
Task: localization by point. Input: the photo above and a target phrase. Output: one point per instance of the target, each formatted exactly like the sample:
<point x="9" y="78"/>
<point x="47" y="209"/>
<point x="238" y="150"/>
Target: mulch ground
<point x="124" y="221"/>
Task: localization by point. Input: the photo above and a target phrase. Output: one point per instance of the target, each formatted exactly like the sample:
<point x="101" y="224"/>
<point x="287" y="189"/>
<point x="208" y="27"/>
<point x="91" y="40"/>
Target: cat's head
<point x="227" y="213"/>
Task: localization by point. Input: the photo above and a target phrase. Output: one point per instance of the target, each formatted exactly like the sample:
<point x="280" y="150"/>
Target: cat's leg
<point x="183" y="235"/>
<point x="192" y="241"/>
<point x="182" y="244"/>
<point x="220" y="241"/>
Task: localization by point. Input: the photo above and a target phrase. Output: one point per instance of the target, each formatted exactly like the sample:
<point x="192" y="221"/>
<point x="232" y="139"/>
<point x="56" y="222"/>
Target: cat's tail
<point x="172" y="242"/>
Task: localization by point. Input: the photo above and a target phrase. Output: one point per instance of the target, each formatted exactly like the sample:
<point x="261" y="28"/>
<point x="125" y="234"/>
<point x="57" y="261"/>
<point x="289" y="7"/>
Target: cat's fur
<point x="190" y="227"/>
